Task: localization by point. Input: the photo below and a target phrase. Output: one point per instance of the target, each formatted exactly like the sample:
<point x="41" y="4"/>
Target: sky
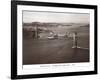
<point x="37" y="16"/>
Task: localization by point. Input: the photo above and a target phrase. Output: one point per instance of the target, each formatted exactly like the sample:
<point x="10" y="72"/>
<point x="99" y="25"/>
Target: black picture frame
<point x="14" y="38"/>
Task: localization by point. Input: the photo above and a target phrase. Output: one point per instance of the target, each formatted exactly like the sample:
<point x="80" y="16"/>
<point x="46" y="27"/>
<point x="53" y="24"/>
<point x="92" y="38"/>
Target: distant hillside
<point x="43" y="24"/>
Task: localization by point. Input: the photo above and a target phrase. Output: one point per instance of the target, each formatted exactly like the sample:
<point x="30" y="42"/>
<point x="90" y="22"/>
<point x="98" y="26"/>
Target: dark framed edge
<point x="14" y="39"/>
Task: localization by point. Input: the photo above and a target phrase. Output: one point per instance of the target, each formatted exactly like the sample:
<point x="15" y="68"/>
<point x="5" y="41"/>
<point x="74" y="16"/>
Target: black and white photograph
<point x="54" y="37"/>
